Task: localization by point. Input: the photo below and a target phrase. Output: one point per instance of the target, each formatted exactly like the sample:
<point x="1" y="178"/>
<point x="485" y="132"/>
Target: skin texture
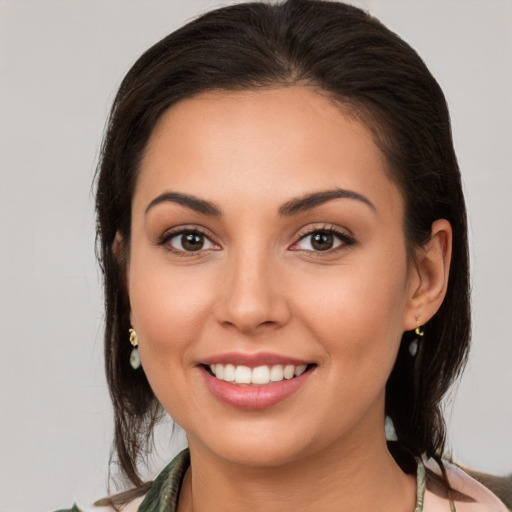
<point x="258" y="286"/>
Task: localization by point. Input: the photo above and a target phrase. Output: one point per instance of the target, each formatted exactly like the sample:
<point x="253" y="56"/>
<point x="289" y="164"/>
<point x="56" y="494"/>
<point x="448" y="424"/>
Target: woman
<point x="283" y="237"/>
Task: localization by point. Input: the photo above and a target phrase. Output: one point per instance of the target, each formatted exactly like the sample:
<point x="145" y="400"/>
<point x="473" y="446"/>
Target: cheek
<point x="169" y="307"/>
<point x="357" y="312"/>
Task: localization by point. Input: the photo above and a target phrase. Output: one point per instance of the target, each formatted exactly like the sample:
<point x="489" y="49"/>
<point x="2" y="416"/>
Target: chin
<point x="261" y="444"/>
<point x="258" y="454"/>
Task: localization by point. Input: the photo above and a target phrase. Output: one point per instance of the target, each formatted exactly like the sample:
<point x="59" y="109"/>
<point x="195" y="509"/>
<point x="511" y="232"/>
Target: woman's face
<point x="267" y="240"/>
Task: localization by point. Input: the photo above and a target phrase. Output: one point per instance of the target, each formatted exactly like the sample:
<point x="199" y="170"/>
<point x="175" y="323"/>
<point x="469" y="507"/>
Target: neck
<point x="337" y="479"/>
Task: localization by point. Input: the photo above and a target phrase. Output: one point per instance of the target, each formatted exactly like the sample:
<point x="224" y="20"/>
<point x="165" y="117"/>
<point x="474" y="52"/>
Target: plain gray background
<point x="60" y="64"/>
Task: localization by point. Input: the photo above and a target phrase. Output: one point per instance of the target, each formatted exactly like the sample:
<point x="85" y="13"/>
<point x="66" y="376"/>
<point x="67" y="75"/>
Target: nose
<point x="253" y="296"/>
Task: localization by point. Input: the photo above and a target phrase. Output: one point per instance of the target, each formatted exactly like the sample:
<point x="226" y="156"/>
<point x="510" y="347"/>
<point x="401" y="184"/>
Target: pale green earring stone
<point x="135" y="359"/>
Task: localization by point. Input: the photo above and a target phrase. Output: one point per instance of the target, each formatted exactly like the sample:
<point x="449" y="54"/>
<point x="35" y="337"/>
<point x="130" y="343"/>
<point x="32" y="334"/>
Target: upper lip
<point x="253" y="360"/>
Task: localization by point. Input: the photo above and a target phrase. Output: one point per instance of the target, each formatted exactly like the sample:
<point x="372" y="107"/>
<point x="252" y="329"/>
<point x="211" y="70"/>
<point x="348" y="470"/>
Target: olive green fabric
<point x="163" y="495"/>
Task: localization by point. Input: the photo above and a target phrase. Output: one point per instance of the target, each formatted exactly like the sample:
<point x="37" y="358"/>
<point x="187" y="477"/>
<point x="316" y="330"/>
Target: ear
<point x="118" y="248"/>
<point x="428" y="277"/>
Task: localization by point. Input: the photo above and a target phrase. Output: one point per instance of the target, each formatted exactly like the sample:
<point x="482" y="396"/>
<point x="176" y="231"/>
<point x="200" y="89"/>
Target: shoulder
<point x="484" y="499"/>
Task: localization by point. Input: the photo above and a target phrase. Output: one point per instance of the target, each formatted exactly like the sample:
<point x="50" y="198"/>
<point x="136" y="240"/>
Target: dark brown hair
<point x="346" y="54"/>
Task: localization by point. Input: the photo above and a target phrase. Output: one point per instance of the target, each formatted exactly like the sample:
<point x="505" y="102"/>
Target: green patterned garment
<point x="163" y="495"/>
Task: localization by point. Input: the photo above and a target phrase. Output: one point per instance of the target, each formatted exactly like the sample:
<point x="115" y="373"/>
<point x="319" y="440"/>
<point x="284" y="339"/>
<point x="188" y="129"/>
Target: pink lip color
<point x="246" y="396"/>
<point x="252" y="360"/>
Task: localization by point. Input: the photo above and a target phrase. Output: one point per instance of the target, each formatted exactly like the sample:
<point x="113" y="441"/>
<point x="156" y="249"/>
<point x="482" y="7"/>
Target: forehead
<point x="267" y="143"/>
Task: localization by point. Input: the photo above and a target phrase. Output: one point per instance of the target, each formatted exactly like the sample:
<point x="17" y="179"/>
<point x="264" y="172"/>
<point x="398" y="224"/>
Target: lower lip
<point x="245" y="396"/>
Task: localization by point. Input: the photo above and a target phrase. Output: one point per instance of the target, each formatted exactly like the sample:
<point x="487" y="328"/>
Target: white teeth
<point x="229" y="372"/>
<point x="219" y="371"/>
<point x="289" y="371"/>
<point x="299" y="370"/>
<point x="276" y="373"/>
<point x="243" y="375"/>
<point x="260" y="375"/>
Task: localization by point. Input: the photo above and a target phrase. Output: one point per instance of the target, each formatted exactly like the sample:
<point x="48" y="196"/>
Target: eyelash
<point x="346" y="240"/>
<point x="169" y="235"/>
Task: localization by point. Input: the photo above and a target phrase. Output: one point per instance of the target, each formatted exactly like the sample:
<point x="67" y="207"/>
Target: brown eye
<point x="190" y="241"/>
<point x="322" y="241"/>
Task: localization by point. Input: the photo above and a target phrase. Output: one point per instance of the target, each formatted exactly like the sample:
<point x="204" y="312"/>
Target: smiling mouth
<point x="258" y="376"/>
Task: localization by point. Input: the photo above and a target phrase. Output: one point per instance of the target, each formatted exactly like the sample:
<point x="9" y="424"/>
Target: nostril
<point x="267" y="322"/>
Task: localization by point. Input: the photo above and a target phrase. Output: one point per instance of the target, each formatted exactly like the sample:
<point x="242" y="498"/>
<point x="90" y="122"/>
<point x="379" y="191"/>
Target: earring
<point x="419" y="331"/>
<point x="413" y="346"/>
<point x="134" y="356"/>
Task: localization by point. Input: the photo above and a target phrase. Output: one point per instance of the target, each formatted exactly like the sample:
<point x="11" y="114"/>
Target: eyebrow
<point x="292" y="207"/>
<point x="194" y="203"/>
<point x="309" y="201"/>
